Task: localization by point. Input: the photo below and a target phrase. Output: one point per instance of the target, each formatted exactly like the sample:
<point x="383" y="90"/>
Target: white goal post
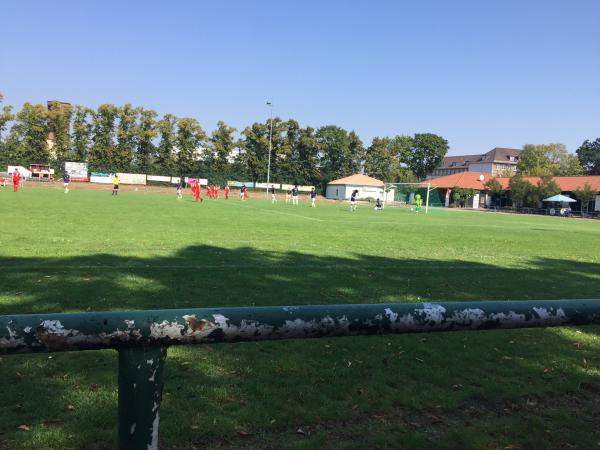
<point x="401" y="194"/>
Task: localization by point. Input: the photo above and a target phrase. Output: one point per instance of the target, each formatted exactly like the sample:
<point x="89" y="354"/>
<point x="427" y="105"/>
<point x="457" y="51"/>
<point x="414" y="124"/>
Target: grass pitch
<point x="89" y="251"/>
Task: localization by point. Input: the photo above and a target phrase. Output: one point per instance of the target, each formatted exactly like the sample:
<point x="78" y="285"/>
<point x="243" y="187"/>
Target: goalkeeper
<point x="418" y="202"/>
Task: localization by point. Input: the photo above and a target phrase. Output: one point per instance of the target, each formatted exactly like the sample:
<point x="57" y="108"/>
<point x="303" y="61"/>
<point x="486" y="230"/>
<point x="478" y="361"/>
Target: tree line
<point x="543" y="160"/>
<point x="134" y="139"/>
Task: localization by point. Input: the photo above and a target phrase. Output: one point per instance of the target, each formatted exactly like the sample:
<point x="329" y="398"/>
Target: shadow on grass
<point x="260" y="394"/>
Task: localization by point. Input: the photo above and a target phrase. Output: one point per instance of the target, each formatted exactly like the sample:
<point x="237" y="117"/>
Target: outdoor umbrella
<point x="559" y="198"/>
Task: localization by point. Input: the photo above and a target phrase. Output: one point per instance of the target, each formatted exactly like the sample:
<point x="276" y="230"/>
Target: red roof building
<point x="477" y="180"/>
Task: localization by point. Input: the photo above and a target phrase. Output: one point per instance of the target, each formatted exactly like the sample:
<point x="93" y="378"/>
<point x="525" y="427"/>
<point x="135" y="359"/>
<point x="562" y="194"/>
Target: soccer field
<point x="90" y="251"/>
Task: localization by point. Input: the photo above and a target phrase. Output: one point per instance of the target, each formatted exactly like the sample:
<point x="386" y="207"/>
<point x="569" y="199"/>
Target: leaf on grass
<point x="301" y="431"/>
<point x="24" y="427"/>
<point x="71" y="408"/>
<point x="244" y="433"/>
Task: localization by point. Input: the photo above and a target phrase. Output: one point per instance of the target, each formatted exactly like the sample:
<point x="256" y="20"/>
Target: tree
<point x="306" y="157"/>
<point x="165" y="160"/>
<point x="222" y="146"/>
<point x="547" y="187"/>
<point x="127" y="137"/>
<point x="337" y="157"/>
<point x="519" y="190"/>
<point x="547" y="160"/>
<point x="426" y="153"/>
<point x="381" y="160"/>
<point x="494" y="189"/>
<point x="461" y="195"/>
<point x="146" y="133"/>
<point x="59" y="127"/>
<point x="533" y="161"/>
<point x="190" y="142"/>
<point x="585" y="195"/>
<point x="563" y="162"/>
<point x="357" y="152"/>
<point x="589" y="156"/>
<point x="29" y="134"/>
<point x="6" y="116"/>
<point x="255" y="146"/>
<point x="101" y="155"/>
<point x="82" y="132"/>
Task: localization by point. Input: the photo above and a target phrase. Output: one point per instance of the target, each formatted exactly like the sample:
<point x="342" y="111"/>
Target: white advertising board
<point x="265" y="185"/>
<point x="175" y="180"/>
<point x="305" y="188"/>
<point x="132" y="178"/>
<point x="159" y="178"/>
<point x="101" y="177"/>
<point x="78" y="171"/>
<point x="286" y="187"/>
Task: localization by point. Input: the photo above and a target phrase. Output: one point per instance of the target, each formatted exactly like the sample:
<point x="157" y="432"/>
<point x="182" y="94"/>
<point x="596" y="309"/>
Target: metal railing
<point x="142" y="337"/>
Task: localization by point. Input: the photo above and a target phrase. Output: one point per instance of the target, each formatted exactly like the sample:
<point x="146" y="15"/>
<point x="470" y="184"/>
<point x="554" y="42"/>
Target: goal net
<point x="418" y="196"/>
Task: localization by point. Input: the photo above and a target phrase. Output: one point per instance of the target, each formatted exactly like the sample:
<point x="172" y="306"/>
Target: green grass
<point x="88" y="251"/>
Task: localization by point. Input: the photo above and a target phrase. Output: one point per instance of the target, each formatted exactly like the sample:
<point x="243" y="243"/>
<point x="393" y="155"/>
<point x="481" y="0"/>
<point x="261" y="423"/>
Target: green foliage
<point x="59" y="127"/>
<point x="101" y="156"/>
<point x="339" y="157"/>
<point x="255" y="144"/>
<point x="585" y="195"/>
<point x="29" y="134"/>
<point x="165" y="152"/>
<point x="190" y="142"/>
<point x="147" y="131"/>
<point x="128" y="138"/>
<point x="305" y="156"/>
<point x="548" y="160"/>
<point x="6" y="116"/>
<point x="520" y="190"/>
<point x="462" y="195"/>
<point x="589" y="156"/>
<point x="381" y="160"/>
<point x="82" y="132"/>
<point x="494" y="189"/>
<point x="547" y="187"/>
<point x="426" y="153"/>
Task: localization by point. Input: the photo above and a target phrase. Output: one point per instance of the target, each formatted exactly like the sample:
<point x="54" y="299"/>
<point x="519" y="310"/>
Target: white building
<point x="367" y="187"/>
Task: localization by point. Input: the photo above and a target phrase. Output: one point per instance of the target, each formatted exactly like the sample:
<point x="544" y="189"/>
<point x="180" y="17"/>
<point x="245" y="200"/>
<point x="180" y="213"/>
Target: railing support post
<point x="140" y="393"/>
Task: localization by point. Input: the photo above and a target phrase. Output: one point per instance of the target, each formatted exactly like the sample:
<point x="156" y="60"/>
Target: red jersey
<point x="16" y="177"/>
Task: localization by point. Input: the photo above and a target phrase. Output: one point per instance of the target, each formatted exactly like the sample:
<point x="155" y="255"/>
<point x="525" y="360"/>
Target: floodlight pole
<point x="270" y="105"/>
<point x="427" y="199"/>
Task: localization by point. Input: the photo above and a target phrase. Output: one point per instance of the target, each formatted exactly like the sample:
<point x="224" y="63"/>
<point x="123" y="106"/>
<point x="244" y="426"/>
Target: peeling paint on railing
<point x="64" y="332"/>
<point x="142" y="337"/>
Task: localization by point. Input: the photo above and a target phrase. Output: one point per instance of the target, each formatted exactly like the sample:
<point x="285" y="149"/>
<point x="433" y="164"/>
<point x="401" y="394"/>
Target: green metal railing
<point x="142" y="337"/>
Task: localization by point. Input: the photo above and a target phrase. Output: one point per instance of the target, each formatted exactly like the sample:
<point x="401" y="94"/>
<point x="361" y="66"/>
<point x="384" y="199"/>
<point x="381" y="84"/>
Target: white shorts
<point x="65" y="184"/>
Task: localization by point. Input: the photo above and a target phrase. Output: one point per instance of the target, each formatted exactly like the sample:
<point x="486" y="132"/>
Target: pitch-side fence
<point x="142" y="337"/>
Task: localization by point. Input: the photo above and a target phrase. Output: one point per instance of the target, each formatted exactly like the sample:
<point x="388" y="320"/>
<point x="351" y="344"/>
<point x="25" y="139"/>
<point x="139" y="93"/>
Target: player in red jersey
<point x="196" y="191"/>
<point x="16" y="179"/>
<point x="226" y="192"/>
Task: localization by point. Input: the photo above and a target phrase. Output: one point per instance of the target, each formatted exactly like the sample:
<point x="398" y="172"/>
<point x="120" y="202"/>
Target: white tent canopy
<point x="559" y="198"/>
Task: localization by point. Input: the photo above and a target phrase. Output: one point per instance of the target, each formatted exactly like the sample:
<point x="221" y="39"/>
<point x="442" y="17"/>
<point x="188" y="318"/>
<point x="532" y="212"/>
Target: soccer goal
<point x="417" y="196"/>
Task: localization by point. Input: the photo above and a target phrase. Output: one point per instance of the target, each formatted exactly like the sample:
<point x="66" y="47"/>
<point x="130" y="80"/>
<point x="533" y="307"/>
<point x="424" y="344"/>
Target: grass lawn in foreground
<point x="89" y="251"/>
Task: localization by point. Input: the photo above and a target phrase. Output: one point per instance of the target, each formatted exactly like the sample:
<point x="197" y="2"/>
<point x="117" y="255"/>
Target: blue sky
<point x="480" y="73"/>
